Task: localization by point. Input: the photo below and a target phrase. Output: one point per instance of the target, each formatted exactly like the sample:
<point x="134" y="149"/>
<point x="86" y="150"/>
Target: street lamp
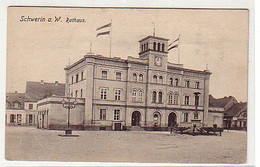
<point x="196" y="104"/>
<point x="68" y="104"/>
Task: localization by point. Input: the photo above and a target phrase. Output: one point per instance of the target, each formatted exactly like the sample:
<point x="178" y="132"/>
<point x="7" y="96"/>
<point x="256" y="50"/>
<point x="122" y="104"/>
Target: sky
<point x="215" y="38"/>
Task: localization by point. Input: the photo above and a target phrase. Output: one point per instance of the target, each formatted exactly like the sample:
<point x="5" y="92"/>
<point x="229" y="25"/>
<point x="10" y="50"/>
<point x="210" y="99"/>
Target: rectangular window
<point x="82" y="75"/>
<point x="197" y="101"/>
<point x="76" y="93"/>
<point x="102" y="114"/>
<point x="72" y="80"/>
<point x="12" y="118"/>
<point x="186" y="100"/>
<point x="187" y="84"/>
<point x="30" y="119"/>
<point x="196" y="115"/>
<point x="81" y="92"/>
<point x="118" y="76"/>
<point x="176" y="97"/>
<point x="117" y="94"/>
<point x="30" y="106"/>
<point x="197" y="85"/>
<point x="116" y="114"/>
<point x="77" y="78"/>
<point x="103" y="94"/>
<point x="19" y="118"/>
<point x="104" y="74"/>
<point x="186" y="117"/>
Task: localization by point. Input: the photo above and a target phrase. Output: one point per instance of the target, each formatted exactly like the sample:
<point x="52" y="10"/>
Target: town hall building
<point x="145" y="92"/>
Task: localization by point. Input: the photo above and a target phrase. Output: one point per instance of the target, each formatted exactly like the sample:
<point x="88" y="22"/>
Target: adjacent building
<point x="16" y="111"/>
<point x="236" y="116"/>
<point x="36" y="91"/>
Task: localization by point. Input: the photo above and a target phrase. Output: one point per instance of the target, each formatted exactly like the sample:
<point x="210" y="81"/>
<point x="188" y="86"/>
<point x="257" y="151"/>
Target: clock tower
<point x="155" y="50"/>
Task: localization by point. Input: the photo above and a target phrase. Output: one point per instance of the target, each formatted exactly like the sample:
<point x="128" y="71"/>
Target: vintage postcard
<point x="145" y="85"/>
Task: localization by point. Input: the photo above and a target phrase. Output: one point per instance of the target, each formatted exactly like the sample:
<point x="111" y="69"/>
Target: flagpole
<point x="111" y="39"/>
<point x="179" y="47"/>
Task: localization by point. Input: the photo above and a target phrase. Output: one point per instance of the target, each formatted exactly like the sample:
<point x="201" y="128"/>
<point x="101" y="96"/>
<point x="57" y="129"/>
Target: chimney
<point x="56" y="83"/>
<point x="42" y="82"/>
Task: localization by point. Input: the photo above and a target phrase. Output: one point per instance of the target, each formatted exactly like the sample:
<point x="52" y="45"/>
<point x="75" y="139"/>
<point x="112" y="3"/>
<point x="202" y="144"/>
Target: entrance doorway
<point x="136" y="117"/>
<point x="117" y="126"/>
<point x="172" y="120"/>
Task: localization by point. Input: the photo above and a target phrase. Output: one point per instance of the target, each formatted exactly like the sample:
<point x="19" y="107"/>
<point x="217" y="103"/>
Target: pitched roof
<point x="13" y="97"/>
<point x="221" y="102"/>
<point x="236" y="109"/>
<point x="39" y="90"/>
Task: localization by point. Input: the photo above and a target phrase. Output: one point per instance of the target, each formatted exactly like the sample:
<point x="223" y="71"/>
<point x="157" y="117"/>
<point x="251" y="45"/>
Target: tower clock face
<point x="158" y="61"/>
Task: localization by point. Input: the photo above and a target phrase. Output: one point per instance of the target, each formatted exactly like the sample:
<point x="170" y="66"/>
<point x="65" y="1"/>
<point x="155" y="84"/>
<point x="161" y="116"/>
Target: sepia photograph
<point x="134" y="85"/>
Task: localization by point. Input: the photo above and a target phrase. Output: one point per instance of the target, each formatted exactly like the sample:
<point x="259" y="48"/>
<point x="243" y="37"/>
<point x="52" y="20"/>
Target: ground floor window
<point x="196" y="115"/>
<point x="116" y="114"/>
<point x="12" y="118"/>
<point x="102" y="114"/>
<point x="30" y="119"/>
<point x="19" y="118"/>
<point x="186" y="116"/>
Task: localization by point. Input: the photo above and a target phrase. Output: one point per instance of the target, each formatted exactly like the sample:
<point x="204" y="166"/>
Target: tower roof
<point x="153" y="37"/>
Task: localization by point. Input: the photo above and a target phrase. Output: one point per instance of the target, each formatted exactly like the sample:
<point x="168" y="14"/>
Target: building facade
<point x="17" y="113"/>
<point x="147" y="92"/>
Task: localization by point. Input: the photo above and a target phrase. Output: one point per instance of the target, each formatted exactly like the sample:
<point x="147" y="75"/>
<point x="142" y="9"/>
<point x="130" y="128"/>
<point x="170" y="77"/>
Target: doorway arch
<point x="172" y="119"/>
<point x="136" y="117"/>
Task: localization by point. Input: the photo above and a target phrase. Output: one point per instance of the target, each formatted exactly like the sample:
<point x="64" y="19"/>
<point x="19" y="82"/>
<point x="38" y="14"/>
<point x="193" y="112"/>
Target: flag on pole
<point x="103" y="33"/>
<point x="104" y="26"/>
<point x="174" y="46"/>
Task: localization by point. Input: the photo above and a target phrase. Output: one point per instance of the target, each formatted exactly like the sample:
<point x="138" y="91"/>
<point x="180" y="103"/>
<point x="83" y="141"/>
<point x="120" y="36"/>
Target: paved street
<point x="27" y="143"/>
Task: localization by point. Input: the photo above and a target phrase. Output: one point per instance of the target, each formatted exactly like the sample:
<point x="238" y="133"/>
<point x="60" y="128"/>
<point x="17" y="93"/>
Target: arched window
<point x="160" y="79"/>
<point x="160" y="97"/>
<point x="170" y="100"/>
<point x="176" y="99"/>
<point x="155" y="117"/>
<point x="154" y="46"/>
<point x="134" y="95"/>
<point x="140" y="95"/>
<point x="159" y="47"/>
<point x="134" y="77"/>
<point x="187" y="84"/>
<point x="154" y="79"/>
<point x="154" y="97"/>
<point x="176" y="82"/>
<point x="147" y="46"/>
<point x="163" y="47"/>
<point x="171" y="81"/>
<point x="141" y="77"/>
